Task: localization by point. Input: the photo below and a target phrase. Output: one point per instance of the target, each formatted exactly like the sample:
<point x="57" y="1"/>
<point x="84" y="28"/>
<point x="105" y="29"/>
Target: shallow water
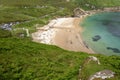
<point x="102" y="32"/>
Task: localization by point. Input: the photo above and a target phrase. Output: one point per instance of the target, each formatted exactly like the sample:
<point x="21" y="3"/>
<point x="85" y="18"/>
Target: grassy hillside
<point x="26" y="60"/>
<point x="32" y="12"/>
<point x="20" y="58"/>
<point x="95" y="4"/>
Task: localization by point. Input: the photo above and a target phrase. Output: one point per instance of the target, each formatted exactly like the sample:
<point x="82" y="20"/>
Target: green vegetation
<point x="5" y="33"/>
<point x="88" y="69"/>
<point x="23" y="59"/>
<point x="96" y="4"/>
<point x="32" y="12"/>
<point x="32" y="9"/>
<point x="27" y="60"/>
<point x="20" y="58"/>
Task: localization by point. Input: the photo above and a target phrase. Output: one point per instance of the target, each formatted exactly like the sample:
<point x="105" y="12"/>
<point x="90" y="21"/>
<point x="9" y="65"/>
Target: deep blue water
<point x="102" y="32"/>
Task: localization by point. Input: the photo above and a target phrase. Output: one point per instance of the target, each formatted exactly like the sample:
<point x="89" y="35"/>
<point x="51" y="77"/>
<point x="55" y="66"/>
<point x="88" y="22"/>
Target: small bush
<point x="5" y="33"/>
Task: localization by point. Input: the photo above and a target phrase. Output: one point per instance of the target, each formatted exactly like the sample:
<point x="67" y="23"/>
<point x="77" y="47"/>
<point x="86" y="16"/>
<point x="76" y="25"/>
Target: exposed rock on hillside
<point x="102" y="75"/>
<point x="93" y="58"/>
<point x="92" y="63"/>
<point x="78" y="12"/>
<point x="8" y="26"/>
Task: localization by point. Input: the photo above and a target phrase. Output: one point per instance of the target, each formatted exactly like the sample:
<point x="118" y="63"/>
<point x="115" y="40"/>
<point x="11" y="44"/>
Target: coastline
<point x="70" y="39"/>
<point x="64" y="33"/>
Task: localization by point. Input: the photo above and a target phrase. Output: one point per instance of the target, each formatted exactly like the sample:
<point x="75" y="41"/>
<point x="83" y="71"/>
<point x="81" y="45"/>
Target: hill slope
<point x="20" y="58"/>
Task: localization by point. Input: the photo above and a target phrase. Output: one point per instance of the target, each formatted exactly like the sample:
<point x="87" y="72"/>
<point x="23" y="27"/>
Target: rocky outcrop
<point x="78" y="12"/>
<point x="8" y="26"/>
<point x="104" y="74"/>
<point x="93" y="58"/>
<point x="86" y="62"/>
<point x="101" y="75"/>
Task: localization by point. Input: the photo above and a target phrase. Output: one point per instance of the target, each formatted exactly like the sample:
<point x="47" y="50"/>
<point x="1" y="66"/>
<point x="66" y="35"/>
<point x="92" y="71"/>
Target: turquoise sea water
<point x="102" y="32"/>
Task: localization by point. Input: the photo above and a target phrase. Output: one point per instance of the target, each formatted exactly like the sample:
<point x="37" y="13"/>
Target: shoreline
<point x="64" y="33"/>
<point x="72" y="40"/>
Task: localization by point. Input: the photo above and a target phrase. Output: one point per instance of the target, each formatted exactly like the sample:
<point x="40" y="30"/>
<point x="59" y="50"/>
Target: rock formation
<point x="93" y="58"/>
<point x="104" y="74"/>
<point x="78" y="12"/>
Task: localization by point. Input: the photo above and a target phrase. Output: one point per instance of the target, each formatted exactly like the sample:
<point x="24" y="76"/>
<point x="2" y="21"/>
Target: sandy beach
<point x="63" y="32"/>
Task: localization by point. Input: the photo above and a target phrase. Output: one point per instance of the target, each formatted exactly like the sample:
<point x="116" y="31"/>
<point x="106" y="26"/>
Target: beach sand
<point x="64" y="33"/>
